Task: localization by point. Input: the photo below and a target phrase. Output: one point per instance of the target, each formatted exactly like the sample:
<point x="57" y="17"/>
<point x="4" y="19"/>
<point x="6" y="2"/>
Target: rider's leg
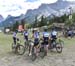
<point x="36" y="48"/>
<point x="30" y="50"/>
<point x="14" y="39"/>
<point x="46" y="48"/>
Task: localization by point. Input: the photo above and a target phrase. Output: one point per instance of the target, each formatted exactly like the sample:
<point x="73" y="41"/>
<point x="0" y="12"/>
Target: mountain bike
<point x="58" y="45"/>
<point x="41" y="51"/>
<point x="32" y="50"/>
<point x="18" y="48"/>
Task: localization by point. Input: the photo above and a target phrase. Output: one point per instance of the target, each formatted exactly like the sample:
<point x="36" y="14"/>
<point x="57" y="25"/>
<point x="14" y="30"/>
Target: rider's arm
<point x="49" y="37"/>
<point x="57" y="35"/>
<point x="42" y="36"/>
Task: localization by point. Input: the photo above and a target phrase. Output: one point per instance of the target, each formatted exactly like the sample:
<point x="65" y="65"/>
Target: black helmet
<point x="16" y="31"/>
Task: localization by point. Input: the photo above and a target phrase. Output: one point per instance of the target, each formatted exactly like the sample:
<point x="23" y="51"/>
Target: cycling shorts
<point x="45" y="40"/>
<point x="26" y="38"/>
<point x="36" y="42"/>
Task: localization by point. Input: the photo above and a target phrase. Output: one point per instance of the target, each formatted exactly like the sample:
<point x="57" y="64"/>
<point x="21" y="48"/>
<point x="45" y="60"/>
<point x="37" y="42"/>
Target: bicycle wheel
<point x="20" y="49"/>
<point x="33" y="57"/>
<point x="58" y="47"/>
<point x="52" y="46"/>
<point x="62" y="43"/>
<point x="42" y="52"/>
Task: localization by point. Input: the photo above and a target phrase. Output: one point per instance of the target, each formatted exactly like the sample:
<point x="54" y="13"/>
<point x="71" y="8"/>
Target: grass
<point x="6" y="41"/>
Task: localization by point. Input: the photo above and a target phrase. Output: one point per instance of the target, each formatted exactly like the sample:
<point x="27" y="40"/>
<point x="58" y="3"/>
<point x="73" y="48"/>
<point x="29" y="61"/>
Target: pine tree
<point x="15" y="26"/>
<point x="23" y="23"/>
<point x="42" y="22"/>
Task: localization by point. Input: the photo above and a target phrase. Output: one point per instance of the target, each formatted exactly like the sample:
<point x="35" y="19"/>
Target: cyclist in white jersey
<point x="53" y="35"/>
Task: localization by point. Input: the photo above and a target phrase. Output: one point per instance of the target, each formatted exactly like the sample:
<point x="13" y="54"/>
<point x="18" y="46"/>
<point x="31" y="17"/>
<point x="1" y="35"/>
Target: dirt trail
<point x="66" y="58"/>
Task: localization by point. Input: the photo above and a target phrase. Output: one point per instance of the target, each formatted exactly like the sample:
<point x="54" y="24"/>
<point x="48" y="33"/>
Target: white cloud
<point x="16" y="7"/>
<point x="70" y="0"/>
<point x="48" y="1"/>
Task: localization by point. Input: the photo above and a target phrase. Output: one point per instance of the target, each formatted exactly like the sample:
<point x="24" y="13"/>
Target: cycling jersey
<point x="36" y="38"/>
<point x="53" y="33"/>
<point x="14" y="34"/>
<point x="36" y="35"/>
<point x="53" y="36"/>
<point x="46" y="37"/>
<point x="45" y="34"/>
<point x="25" y="35"/>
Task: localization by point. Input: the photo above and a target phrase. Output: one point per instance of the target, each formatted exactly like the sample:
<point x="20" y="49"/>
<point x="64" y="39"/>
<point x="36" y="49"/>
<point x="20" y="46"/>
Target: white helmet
<point x="35" y="29"/>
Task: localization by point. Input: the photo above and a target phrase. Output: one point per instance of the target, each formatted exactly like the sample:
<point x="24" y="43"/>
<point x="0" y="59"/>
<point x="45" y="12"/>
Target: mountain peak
<point x="9" y="16"/>
<point x="48" y="9"/>
<point x="60" y="0"/>
<point x="1" y="18"/>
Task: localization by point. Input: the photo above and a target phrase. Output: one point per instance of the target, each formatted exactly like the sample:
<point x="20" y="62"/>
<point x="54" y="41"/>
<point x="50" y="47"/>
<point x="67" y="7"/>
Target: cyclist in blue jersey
<point x="45" y="39"/>
<point x="26" y="35"/>
<point x="36" y="37"/>
<point x="15" y="36"/>
<point x="36" y="40"/>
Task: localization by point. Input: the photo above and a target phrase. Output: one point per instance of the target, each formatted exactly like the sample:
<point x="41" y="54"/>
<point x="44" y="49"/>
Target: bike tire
<point x="42" y="52"/>
<point x="52" y="46"/>
<point x="18" y="49"/>
<point x="58" y="47"/>
<point x="33" y="56"/>
<point x="62" y="43"/>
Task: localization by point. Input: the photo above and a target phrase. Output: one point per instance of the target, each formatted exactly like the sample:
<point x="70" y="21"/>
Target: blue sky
<point x="17" y="7"/>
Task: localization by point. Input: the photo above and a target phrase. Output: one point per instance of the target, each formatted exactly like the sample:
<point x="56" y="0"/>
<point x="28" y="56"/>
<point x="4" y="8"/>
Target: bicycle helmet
<point x="16" y="31"/>
<point x="45" y="28"/>
<point x="35" y="29"/>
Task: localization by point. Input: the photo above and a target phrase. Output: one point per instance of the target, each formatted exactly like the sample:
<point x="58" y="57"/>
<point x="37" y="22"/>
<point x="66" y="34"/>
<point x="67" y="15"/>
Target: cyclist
<point x="15" y="37"/>
<point x="53" y="35"/>
<point x="26" y="35"/>
<point x="36" y="41"/>
<point x="70" y="33"/>
<point x="45" y="39"/>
